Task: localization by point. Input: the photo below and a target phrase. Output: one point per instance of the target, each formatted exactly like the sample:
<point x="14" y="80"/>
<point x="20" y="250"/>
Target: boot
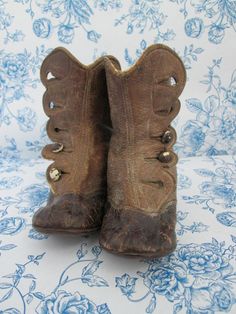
<point x="141" y="209"/>
<point x="76" y="102"/>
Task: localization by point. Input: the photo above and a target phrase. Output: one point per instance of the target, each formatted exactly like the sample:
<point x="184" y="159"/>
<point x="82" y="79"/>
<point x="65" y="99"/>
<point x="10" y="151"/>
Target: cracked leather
<point x="141" y="209"/>
<point x="76" y="103"/>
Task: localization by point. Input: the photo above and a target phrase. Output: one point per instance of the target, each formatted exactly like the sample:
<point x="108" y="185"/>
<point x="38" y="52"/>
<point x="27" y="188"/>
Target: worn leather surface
<point x="143" y="102"/>
<point x="134" y="232"/>
<point x="70" y="213"/>
<point x="76" y="103"/>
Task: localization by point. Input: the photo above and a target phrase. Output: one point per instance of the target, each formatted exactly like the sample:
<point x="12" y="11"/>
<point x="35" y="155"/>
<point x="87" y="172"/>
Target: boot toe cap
<point x="70" y="214"/>
<point x="134" y="232"/>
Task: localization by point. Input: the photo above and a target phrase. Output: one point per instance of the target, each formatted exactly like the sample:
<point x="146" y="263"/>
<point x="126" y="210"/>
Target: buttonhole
<point x="64" y="172"/>
<point x="50" y="76"/>
<point x="171" y="81"/>
<point x="159" y="183"/>
<point x="164" y="112"/>
<point x="52" y="105"/>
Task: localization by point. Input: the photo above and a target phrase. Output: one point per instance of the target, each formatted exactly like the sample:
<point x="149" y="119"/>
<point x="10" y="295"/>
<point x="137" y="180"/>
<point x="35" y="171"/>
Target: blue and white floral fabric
<point x="202" y="32"/>
<point x="70" y="274"/>
<point x="57" y="274"/>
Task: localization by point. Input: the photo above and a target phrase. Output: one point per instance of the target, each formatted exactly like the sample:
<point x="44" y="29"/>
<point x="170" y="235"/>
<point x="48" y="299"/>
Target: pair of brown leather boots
<point x="114" y="167"/>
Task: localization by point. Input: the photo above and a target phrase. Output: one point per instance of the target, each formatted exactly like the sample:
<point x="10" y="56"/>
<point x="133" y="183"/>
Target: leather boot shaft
<point x="143" y="102"/>
<point x="77" y="105"/>
<point x="141" y="209"/>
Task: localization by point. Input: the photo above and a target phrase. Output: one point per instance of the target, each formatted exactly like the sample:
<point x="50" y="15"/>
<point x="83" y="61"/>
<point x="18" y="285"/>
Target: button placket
<point x="166" y="156"/>
<point x="54" y="173"/>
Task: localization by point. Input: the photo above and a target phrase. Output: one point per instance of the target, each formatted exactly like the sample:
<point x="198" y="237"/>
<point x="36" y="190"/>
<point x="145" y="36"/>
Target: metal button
<point x="55" y="174"/>
<point x="165" y="157"/>
<point x="58" y="148"/>
<point x="167" y="137"/>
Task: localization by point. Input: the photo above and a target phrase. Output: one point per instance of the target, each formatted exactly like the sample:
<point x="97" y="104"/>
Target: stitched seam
<point x="129" y="121"/>
<point x="84" y="142"/>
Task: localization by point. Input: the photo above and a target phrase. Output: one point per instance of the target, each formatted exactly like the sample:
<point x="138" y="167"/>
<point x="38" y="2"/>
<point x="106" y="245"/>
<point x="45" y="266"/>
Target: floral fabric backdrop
<point x="56" y="274"/>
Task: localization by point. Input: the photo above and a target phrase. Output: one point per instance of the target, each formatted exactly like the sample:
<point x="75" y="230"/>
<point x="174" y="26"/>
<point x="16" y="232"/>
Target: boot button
<point x="58" y="148"/>
<point x="55" y="174"/>
<point x="167" y="137"/>
<point x="165" y="157"/>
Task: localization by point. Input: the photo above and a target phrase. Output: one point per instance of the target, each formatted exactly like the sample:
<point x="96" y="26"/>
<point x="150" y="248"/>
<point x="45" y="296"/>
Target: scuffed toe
<point x="134" y="232"/>
<point x="70" y="213"/>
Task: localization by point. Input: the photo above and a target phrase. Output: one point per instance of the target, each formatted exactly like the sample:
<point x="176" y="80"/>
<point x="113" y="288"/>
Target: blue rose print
<point x="15" y="66"/>
<point x="225" y="125"/>
<point x="42" y="27"/>
<point x="214" y="122"/>
<point x="18" y="74"/>
<point x="59" y="301"/>
<point x="194" y="27"/>
<point x="66" y="17"/>
<point x="192" y="133"/>
<point x="216" y="298"/>
<point x="227" y="218"/>
<point x="216" y="34"/>
<point x="26" y="119"/>
<point x="66" y="33"/>
<point x="28" y="200"/>
<point x="32" y="198"/>
<point x="217" y="191"/>
<point x="219" y="15"/>
<point x="12" y="225"/>
<point x="93" y="36"/>
<point x="196" y="277"/>
<point x="146" y="15"/>
<point x="220" y="193"/>
<point x="223" y="298"/>
<point x="64" y="302"/>
<point x="201" y="259"/>
<point x="165" y="280"/>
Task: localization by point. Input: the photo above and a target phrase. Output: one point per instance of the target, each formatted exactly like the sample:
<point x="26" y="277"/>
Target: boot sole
<point x="134" y="254"/>
<point x="65" y="231"/>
